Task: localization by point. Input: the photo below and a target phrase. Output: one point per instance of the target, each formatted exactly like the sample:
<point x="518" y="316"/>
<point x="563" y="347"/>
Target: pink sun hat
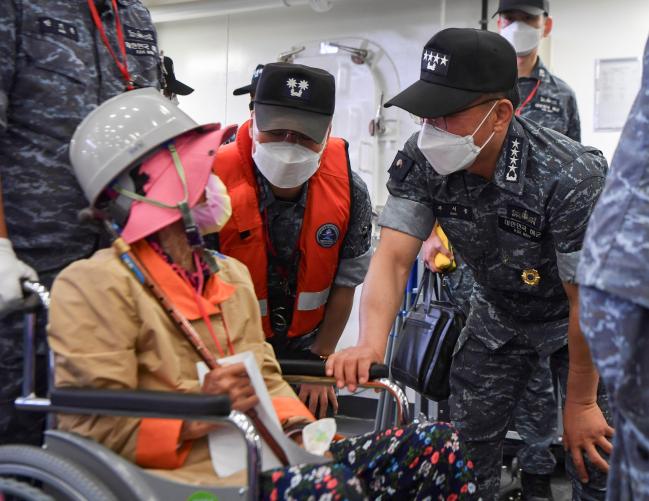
<point x="196" y="150"/>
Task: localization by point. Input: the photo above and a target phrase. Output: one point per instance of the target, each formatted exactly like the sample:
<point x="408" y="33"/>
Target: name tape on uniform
<point x="454" y="211"/>
<point x="55" y="27"/>
<point x="139" y="42"/>
<point x="548" y="104"/>
<point x="521" y="222"/>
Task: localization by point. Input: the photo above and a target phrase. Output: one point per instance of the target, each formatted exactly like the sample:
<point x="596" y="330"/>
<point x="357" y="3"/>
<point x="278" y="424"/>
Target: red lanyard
<point x="204" y="314"/>
<point x="123" y="64"/>
<point x="529" y="98"/>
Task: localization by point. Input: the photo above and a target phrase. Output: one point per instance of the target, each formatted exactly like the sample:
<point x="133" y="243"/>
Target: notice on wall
<point x="617" y="82"/>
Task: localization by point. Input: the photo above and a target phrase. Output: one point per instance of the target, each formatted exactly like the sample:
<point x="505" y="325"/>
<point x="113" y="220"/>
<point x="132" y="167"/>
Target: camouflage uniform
<point x="553" y="106"/>
<point x="530" y="218"/>
<point x="284" y="223"/>
<point x="55" y="70"/>
<point x="615" y="299"/>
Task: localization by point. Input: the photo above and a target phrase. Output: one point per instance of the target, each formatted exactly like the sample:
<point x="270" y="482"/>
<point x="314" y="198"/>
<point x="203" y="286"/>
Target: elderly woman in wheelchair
<point x="143" y="314"/>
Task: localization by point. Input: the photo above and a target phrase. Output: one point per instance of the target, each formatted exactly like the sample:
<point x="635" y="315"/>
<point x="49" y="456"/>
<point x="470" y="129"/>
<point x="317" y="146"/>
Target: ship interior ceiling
<point x="371" y="50"/>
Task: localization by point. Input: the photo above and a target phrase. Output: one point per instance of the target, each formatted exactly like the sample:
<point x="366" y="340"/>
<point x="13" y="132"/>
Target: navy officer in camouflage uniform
<point x="514" y="198"/>
<point x="550" y="102"/>
<point x="55" y="70"/>
<point x="614" y="295"/>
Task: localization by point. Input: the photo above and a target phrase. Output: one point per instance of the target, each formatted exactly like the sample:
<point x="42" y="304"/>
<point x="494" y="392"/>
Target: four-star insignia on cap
<point x="435" y="61"/>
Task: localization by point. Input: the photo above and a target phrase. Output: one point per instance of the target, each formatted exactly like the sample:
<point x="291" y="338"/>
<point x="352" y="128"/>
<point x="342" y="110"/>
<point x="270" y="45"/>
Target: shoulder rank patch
<point x="400" y="167"/>
<point x="514" y="154"/>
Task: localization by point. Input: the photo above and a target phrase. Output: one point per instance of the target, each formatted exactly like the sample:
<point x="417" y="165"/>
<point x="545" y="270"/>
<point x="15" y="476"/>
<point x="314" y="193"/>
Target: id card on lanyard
<point x="122" y="65"/>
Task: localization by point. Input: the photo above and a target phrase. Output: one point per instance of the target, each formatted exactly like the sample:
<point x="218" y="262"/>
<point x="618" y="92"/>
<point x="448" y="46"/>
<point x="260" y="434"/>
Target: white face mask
<point x="212" y="214"/>
<point x="447" y="152"/>
<point x="284" y="164"/>
<point x="523" y="37"/>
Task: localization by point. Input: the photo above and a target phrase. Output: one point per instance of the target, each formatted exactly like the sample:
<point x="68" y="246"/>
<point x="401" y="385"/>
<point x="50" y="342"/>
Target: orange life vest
<point x="324" y="227"/>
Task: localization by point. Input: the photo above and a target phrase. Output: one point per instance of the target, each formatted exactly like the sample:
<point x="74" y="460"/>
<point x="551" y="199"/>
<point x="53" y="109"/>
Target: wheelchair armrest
<point x="316" y="368"/>
<point x="160" y="402"/>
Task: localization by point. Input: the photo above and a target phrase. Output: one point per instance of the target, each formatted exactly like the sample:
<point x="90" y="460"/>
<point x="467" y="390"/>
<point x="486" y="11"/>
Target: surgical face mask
<point x="523" y="37"/>
<point x="447" y="152"/>
<point x="212" y="214"/>
<point x="284" y="164"/>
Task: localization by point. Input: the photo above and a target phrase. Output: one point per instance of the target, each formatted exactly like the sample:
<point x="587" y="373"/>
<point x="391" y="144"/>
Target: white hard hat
<point x="121" y="131"/>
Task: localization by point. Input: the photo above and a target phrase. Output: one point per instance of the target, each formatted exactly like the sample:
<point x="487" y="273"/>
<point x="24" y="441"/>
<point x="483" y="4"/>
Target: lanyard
<point x="122" y="65"/>
<point x="199" y="287"/>
<point x="529" y="98"/>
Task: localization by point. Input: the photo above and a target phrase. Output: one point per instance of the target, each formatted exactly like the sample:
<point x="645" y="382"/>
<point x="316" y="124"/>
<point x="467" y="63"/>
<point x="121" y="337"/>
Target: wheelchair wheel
<point x="15" y="490"/>
<point x="57" y="476"/>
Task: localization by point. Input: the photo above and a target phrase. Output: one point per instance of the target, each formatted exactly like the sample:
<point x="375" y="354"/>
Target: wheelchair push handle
<point x="35" y="296"/>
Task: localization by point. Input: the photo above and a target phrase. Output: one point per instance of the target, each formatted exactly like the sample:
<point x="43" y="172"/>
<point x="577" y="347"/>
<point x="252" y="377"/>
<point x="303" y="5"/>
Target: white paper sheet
<point x="227" y="448"/>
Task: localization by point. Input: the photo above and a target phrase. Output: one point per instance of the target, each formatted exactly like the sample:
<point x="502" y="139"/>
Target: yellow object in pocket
<point x="441" y="261"/>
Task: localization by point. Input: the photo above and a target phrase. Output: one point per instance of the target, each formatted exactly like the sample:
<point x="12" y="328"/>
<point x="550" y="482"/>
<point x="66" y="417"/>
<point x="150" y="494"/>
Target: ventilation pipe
<point x="211" y="8"/>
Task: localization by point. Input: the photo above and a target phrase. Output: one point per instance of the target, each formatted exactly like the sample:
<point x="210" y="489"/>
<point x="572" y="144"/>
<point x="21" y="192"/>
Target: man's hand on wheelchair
<point x="351" y="366"/>
<point x="431" y="248"/>
<point x="317" y="398"/>
<point x="231" y="380"/>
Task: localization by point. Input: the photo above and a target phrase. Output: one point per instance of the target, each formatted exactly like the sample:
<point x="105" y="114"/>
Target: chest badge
<point x="530" y="276"/>
<point x="327" y="235"/>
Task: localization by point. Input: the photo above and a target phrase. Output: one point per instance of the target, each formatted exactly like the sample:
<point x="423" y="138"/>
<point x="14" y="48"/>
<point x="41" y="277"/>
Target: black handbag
<point x="425" y="343"/>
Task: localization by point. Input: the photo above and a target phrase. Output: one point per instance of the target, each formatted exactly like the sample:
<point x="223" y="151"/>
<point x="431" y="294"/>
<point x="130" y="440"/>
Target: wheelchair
<point x="70" y="467"/>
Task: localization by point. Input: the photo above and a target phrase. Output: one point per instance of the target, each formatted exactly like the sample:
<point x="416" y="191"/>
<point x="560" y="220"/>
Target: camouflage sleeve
<point x="569" y="216"/>
<point x="409" y="208"/>
<point x="7" y="56"/>
<point x="356" y="253"/>
<point x="574" y="124"/>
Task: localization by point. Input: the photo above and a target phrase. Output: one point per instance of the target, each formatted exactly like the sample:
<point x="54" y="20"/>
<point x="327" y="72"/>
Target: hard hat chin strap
<point x="192" y="232"/>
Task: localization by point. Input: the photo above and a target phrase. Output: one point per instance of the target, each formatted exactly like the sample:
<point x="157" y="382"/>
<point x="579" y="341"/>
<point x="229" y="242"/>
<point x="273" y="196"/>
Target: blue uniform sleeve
<point x="409" y="208"/>
<point x="356" y="253"/>
<point x="571" y="208"/>
<point x="574" y="124"/>
<point x="7" y="56"/>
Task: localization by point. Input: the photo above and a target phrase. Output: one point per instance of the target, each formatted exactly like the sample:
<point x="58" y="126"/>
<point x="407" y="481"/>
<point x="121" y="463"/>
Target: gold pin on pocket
<point x="531" y="276"/>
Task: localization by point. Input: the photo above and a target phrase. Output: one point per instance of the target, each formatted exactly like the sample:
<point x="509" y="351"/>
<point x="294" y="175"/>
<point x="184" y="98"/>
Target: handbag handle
<point x="428" y="288"/>
<point x="438" y="290"/>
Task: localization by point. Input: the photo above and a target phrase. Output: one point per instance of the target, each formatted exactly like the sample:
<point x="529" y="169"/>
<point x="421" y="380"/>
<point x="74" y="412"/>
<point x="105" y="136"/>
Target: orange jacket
<point x="324" y="227"/>
<point x="109" y="331"/>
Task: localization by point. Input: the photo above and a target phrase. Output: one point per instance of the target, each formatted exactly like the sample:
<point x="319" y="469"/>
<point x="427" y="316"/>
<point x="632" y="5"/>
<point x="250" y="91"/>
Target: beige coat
<point x="108" y="331"/>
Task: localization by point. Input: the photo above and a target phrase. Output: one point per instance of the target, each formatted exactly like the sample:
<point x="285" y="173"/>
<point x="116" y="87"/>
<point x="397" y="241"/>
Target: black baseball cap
<point x="172" y="85"/>
<point x="295" y="97"/>
<point x="458" y="65"/>
<point x="250" y="88"/>
<point x="532" y="7"/>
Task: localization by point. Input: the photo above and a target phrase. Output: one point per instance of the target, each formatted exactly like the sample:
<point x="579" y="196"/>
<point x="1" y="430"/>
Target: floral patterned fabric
<point x="423" y="461"/>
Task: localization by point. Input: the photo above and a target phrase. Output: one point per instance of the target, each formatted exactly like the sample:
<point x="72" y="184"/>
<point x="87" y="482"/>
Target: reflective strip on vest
<point x="263" y="307"/>
<point x="312" y="300"/>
